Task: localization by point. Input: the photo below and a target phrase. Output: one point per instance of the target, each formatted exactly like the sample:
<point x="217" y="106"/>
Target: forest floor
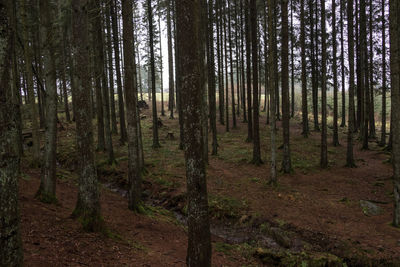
<point x="312" y="218"/>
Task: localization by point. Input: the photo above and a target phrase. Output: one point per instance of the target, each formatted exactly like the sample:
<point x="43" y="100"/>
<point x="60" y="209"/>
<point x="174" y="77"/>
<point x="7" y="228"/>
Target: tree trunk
<point x="114" y="128"/>
<point x="10" y="239"/>
<point x="383" y="126"/>
<point x="171" y="101"/>
<point x="121" y="109"/>
<point x="364" y="79"/>
<point x="304" y="104"/>
<point x="335" y="80"/>
<point x="47" y="190"/>
<point x="199" y="239"/>
<point x="350" y="37"/>
<point x="272" y="76"/>
<point x="231" y="66"/>
<point x="134" y="173"/>
<point x="286" y="163"/>
<point x="292" y="58"/>
<point x="342" y="7"/>
<point x="372" y="131"/>
<point x="225" y="45"/>
<point x="156" y="143"/>
<point x="248" y="70"/>
<point x="88" y="204"/>
<point x="324" y="148"/>
<point x="211" y="78"/>
<point x="29" y="84"/>
<point x="395" y="88"/>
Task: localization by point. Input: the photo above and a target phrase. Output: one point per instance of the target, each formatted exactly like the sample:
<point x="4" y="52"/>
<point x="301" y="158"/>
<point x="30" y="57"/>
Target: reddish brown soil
<point x="322" y="206"/>
<point x="51" y="238"/>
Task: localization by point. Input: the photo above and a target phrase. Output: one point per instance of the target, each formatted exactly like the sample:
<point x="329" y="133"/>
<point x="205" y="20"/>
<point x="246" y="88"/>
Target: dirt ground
<point x="321" y="208"/>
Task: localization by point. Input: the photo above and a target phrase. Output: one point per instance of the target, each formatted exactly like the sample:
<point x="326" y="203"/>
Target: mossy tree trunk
<point x="47" y="190"/>
<point x="88" y="205"/>
<point x="134" y="174"/>
<point x="10" y="240"/>
<point x="395" y="88"/>
<point x="188" y="27"/>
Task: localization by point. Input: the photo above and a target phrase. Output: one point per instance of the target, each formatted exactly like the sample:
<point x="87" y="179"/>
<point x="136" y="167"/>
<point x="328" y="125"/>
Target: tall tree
<point x="335" y="80"/>
<point x="114" y="128"/>
<point x="394" y="23"/>
<point x="88" y="204"/>
<point x="188" y="26"/>
<point x="248" y="71"/>
<point x="29" y="83"/>
<point x="286" y="163"/>
<point x="272" y="77"/>
<point x="134" y="172"/>
<point x="156" y="143"/>
<point x="383" y="122"/>
<point x="342" y="69"/>
<point x="292" y="59"/>
<point x="161" y="59"/>
<point x="371" y="111"/>
<point x="324" y="148"/>
<point x="47" y="190"/>
<point x="171" y="100"/>
<point x="225" y="45"/>
<point x="10" y="240"/>
<point x="254" y="49"/>
<point x="350" y="37"/>
<point x="220" y="64"/>
<point x="229" y="14"/>
<point x="121" y="109"/>
<point x="304" y="104"/>
<point x="211" y="78"/>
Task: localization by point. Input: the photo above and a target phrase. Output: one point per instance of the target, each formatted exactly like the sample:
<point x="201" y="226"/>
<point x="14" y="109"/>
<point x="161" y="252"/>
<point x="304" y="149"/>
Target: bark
<point x="364" y="80"/>
<point x="292" y="58"/>
<point x="156" y="143"/>
<point x="286" y="162"/>
<point x="324" y="148"/>
<point x="161" y="62"/>
<point x="121" y="109"/>
<point x="335" y="79"/>
<point x="254" y="49"/>
<point x="47" y="190"/>
<point x="134" y="174"/>
<point x="211" y="78"/>
<point x="171" y="101"/>
<point x="248" y="72"/>
<point x="102" y="66"/>
<point x="10" y="240"/>
<point x="394" y="20"/>
<point x="221" y="92"/>
<point x="242" y="63"/>
<point x="231" y="66"/>
<point x="314" y="72"/>
<point x="114" y="128"/>
<point x="304" y="104"/>
<point x="225" y="45"/>
<point x="199" y="240"/>
<point x="29" y="84"/>
<point x="371" y="112"/>
<point x="350" y="37"/>
<point x="383" y="122"/>
<point x="342" y="7"/>
<point x="88" y="204"/>
<point x="272" y="77"/>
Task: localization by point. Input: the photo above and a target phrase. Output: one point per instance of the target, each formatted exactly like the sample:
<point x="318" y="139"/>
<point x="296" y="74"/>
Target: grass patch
<point x="222" y="207"/>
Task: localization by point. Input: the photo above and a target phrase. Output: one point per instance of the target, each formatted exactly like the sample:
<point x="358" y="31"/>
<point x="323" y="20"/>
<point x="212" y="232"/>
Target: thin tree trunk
<point x="231" y="66"/>
<point x="335" y="80"/>
<point x="372" y="131"/>
<point x="272" y="76"/>
<point x="350" y="37"/>
<point x="324" y="147"/>
<point x="121" y="109"/>
<point x="225" y="45"/>
<point x="383" y="126"/>
<point x="286" y="162"/>
<point x="248" y="75"/>
<point x="171" y="101"/>
<point x="304" y="104"/>
<point x="342" y="7"/>
<point x="292" y="58"/>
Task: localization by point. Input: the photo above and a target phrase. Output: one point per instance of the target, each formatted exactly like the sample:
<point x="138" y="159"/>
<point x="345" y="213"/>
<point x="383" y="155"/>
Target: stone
<point x="370" y="209"/>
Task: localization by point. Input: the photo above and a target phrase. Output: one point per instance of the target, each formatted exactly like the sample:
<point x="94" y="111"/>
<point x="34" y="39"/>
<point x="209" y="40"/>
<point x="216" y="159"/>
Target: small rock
<point x="370" y="209"/>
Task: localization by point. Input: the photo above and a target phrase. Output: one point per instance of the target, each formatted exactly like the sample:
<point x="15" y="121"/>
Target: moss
<point x="222" y="207"/>
<point x="91" y="221"/>
<point x="224" y="248"/>
<point x="46" y="198"/>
